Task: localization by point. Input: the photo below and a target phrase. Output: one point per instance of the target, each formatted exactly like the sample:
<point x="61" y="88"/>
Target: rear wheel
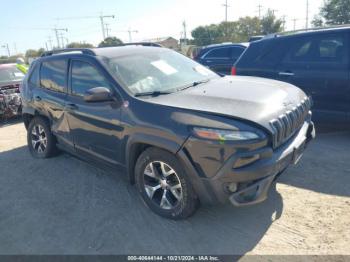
<point x="41" y="141"/>
<point x="164" y="185"/>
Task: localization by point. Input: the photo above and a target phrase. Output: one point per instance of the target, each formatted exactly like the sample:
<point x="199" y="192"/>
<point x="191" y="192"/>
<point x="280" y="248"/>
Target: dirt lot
<point x="66" y="206"/>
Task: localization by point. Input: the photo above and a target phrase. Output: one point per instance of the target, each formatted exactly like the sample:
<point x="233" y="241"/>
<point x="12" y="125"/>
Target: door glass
<point x="219" y="53"/>
<point x="85" y="77"/>
<point x="301" y="51"/>
<point x="34" y="78"/>
<point x="236" y="52"/>
<point x="332" y="48"/>
<point x="53" y="75"/>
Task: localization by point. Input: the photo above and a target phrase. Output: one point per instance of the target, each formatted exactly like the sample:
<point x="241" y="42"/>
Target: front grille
<point x="287" y="124"/>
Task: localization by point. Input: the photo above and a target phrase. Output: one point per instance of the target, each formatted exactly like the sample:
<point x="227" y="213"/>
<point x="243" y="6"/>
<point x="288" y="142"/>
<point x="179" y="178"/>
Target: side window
<point x="85" y="77"/>
<point x="219" y="53"/>
<point x="301" y="50"/>
<point x="53" y="75"/>
<point x="332" y="48"/>
<point x="236" y="52"/>
<point x="34" y="78"/>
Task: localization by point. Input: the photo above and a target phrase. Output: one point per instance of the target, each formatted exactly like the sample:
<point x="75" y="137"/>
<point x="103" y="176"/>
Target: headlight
<point x="224" y="135"/>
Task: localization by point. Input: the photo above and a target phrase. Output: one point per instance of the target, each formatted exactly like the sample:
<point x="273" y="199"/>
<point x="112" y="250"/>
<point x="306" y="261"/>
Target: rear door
<point x="95" y="126"/>
<point x="48" y="83"/>
<point x="219" y="59"/>
<point x="319" y="64"/>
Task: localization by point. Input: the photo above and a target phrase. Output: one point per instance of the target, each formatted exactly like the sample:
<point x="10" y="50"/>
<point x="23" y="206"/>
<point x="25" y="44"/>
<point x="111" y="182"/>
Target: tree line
<point x="332" y="12"/>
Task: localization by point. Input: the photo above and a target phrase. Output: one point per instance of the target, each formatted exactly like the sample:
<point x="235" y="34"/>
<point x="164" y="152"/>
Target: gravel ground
<point x="66" y="206"/>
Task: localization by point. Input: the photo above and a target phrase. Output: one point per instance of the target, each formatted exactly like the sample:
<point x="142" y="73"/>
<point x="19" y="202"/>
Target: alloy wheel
<point x="162" y="185"/>
<point x="38" y="138"/>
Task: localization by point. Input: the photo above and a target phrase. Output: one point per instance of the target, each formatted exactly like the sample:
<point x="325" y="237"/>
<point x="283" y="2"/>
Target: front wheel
<point x="164" y="185"/>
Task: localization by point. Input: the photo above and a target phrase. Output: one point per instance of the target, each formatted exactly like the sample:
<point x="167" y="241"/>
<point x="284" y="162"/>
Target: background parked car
<point x="220" y="57"/>
<point x="316" y="61"/>
<point x="10" y="100"/>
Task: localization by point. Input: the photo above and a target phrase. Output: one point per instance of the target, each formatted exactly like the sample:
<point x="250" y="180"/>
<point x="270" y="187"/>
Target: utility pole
<point x="57" y="35"/>
<point x="62" y="38"/>
<point x="130" y="34"/>
<point x="103" y="24"/>
<point x="284" y="23"/>
<point x="307" y="15"/>
<point x="47" y="47"/>
<point x="7" y="48"/>
<point x="294" y="23"/>
<point x="107" y="29"/>
<point x="15" y="47"/>
<point x="184" y="32"/>
<point x="226" y="7"/>
<point x="259" y="10"/>
<point x="50" y="42"/>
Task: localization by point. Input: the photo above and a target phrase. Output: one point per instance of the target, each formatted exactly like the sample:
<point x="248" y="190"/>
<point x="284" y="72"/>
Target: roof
<point x="106" y="51"/>
<point x="227" y="44"/>
<point x="309" y="31"/>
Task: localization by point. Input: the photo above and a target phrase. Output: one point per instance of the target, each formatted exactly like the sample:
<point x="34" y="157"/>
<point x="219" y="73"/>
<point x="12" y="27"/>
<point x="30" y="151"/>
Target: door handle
<point x="37" y="98"/>
<point x="71" y="106"/>
<point x="286" y="74"/>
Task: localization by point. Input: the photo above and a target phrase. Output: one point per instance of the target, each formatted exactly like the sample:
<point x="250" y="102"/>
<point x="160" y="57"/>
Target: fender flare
<point x="148" y="140"/>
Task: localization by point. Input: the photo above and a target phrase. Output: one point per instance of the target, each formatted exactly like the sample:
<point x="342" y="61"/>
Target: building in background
<point x="168" y="42"/>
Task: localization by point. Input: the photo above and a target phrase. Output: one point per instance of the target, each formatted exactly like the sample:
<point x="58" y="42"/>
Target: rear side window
<point x="301" y="50"/>
<point x="53" y="75"/>
<point x="85" y="76"/>
<point x="236" y="52"/>
<point x="322" y="48"/>
<point x="34" y="78"/>
<point x="219" y="53"/>
<point x="332" y="48"/>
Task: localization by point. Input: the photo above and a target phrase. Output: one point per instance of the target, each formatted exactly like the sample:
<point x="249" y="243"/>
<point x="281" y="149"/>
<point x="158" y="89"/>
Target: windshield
<point x="159" y="70"/>
<point x="10" y="74"/>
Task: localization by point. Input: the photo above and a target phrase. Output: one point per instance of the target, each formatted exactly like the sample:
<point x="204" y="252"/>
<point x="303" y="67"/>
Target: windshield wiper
<point x="152" y="93"/>
<point x="196" y="83"/>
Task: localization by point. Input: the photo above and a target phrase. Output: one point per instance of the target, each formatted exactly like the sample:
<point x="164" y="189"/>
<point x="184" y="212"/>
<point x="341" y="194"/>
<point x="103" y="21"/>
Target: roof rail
<point x="315" y="29"/>
<point x="142" y="44"/>
<point x="85" y="51"/>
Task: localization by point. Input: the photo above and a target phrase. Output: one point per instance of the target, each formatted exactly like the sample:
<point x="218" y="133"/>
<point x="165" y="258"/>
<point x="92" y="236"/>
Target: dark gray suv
<point x="182" y="133"/>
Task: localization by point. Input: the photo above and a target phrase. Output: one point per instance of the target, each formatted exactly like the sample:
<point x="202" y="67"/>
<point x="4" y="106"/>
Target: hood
<point x="254" y="99"/>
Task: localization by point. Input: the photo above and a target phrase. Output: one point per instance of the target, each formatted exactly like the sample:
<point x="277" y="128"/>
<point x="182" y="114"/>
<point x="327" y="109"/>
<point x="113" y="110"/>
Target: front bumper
<point x="252" y="182"/>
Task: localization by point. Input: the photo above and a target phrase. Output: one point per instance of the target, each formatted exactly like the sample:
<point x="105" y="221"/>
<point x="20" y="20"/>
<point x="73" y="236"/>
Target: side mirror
<point x="98" y="94"/>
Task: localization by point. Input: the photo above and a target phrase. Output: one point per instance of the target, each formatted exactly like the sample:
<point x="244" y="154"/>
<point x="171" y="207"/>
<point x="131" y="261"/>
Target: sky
<point x="29" y="24"/>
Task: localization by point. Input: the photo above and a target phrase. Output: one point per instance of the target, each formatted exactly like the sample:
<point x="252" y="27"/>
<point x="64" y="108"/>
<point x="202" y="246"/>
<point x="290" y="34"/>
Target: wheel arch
<point x="138" y="143"/>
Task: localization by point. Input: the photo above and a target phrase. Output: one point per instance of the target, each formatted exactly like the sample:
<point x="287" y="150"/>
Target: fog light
<point x="244" y="161"/>
<point x="232" y="187"/>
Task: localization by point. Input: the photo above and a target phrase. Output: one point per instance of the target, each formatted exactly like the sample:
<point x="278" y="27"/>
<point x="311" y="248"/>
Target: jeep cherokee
<point x="182" y="133"/>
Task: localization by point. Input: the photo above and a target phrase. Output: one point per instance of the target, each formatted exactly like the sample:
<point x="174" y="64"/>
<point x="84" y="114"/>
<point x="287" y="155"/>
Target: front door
<point x="95" y="126"/>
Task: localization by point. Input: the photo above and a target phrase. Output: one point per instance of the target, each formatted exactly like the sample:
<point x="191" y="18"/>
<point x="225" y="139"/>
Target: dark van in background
<point x="316" y="61"/>
<point x="220" y="57"/>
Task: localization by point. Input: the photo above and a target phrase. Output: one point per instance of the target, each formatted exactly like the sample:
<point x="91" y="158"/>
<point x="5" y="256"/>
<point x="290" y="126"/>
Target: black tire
<point x="47" y="150"/>
<point x="186" y="203"/>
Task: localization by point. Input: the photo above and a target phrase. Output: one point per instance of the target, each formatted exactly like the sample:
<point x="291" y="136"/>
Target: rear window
<point x="53" y="75"/>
